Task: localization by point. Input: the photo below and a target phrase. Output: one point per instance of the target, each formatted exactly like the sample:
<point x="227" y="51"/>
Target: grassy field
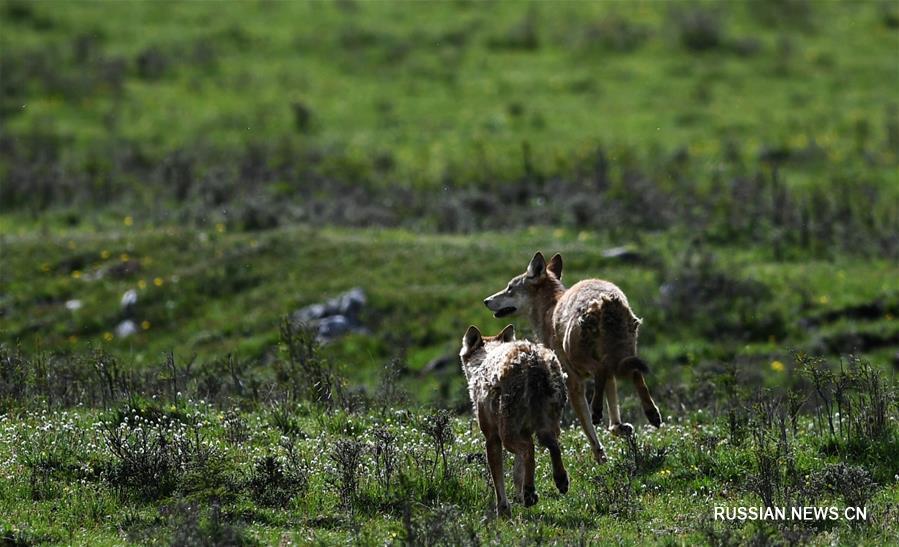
<point x="205" y="456"/>
<point x="211" y="293"/>
<point x="733" y="167"/>
<point x="451" y="93"/>
<point x="246" y="453"/>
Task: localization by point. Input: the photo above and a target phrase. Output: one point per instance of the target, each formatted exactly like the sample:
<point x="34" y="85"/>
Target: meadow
<point x="203" y="170"/>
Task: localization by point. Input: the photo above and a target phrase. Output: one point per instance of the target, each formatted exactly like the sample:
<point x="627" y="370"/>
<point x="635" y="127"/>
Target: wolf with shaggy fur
<point x="517" y="389"/>
<point x="593" y="331"/>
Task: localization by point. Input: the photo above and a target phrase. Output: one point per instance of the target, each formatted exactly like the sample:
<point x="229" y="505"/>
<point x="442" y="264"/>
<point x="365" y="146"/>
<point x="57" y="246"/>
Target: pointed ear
<point x="555" y="265"/>
<point x="537" y="267"/>
<point x="507" y="334"/>
<point x="472" y="338"/>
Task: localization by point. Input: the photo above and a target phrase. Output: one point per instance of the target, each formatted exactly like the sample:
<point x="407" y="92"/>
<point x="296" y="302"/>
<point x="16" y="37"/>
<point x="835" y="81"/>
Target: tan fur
<point x="593" y="331"/>
<point x="517" y="389"/>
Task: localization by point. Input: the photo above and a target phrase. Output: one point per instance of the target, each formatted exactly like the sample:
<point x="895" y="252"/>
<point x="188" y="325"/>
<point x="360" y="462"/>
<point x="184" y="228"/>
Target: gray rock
<point x="129" y="299"/>
<point x="334" y="326"/>
<point x="126" y="328"/>
<point x="349" y="303"/>
<point x="334" y="317"/>
<point x="440" y="364"/>
<point x="310" y="313"/>
<point x="624" y="253"/>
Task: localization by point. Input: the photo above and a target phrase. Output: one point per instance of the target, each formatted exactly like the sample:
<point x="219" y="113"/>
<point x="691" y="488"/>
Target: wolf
<point x="593" y="332"/>
<point x="517" y="389"/>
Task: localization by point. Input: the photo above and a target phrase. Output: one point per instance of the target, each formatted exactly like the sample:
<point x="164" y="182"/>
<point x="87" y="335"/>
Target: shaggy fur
<point x="517" y="389"/>
<point x="594" y="333"/>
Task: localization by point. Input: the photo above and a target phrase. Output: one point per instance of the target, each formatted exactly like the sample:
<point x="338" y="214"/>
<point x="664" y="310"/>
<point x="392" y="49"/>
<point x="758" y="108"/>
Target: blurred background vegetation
<point x="184" y="185"/>
<point x="733" y="166"/>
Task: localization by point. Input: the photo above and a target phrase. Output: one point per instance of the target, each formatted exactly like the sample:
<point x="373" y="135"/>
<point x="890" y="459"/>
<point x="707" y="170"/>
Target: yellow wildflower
<point x="158" y="281"/>
<point x="128" y="220"/>
<point x="777" y="366"/>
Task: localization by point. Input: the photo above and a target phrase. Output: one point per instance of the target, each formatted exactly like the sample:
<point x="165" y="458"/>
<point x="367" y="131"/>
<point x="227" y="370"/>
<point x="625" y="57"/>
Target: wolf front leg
<point x="578" y="397"/>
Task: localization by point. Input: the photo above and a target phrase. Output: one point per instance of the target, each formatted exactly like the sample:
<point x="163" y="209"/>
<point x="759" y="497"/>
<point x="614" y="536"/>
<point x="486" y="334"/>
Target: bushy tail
<point x="633" y="364"/>
<point x="544" y="391"/>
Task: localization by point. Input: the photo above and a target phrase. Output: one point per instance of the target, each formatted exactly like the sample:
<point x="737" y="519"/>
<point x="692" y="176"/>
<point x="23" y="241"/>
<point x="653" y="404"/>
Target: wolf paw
<point x="561" y="482"/>
<point x="622" y="429"/>
<point x="530" y="496"/>
<point x="503" y="510"/>
<point x="600" y="455"/>
<point x="653" y="415"/>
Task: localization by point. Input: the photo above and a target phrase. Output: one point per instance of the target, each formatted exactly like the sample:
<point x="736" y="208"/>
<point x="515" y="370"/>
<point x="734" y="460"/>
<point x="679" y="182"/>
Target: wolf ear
<point x="472" y="338"/>
<point x="537" y="267"/>
<point x="555" y="265"/>
<point x="507" y="334"/>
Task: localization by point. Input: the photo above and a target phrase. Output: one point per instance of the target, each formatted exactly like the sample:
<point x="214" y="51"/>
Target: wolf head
<point x="475" y="347"/>
<point x="516" y="298"/>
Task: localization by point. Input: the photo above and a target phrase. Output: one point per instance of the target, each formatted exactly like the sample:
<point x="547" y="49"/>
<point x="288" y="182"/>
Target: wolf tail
<point x="607" y="320"/>
<point x="545" y="390"/>
<point x="633" y="364"/>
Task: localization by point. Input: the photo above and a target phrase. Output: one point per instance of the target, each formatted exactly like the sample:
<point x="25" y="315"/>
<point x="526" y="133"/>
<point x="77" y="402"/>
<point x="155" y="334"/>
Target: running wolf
<point x="517" y="389"/>
<point x="594" y="333"/>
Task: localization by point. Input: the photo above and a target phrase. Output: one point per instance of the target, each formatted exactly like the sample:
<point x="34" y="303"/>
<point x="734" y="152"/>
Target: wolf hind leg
<point x="518" y="477"/>
<point x="599" y="387"/>
<point x="615" y="424"/>
<point x="529" y="491"/>
<point x="523" y="447"/>
<point x="649" y="406"/>
<point x="550" y="440"/>
<point x="495" y="462"/>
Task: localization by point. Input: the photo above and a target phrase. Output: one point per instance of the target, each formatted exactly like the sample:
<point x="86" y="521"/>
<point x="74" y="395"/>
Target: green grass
<point x="209" y="293"/>
<point x="670" y="503"/>
<point x="163" y="147"/>
<point x="225" y="292"/>
<point x="437" y="87"/>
